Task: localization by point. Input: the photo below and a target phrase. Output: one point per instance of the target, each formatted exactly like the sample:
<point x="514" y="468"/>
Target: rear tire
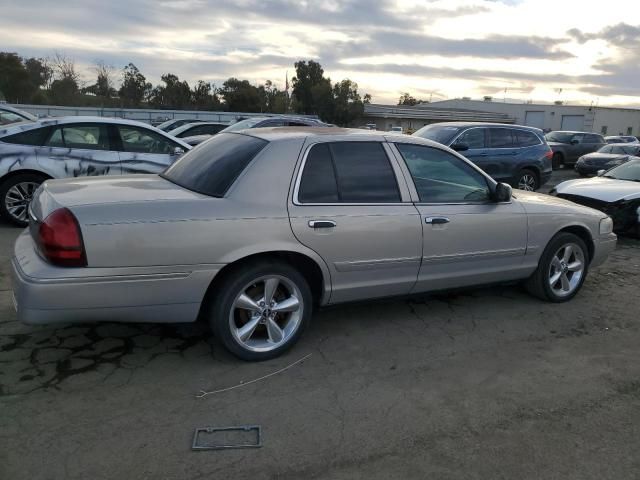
<point x="557" y="161"/>
<point x="260" y="310"/>
<point x="528" y="180"/>
<point x="561" y="272"/>
<point x="15" y="196"/>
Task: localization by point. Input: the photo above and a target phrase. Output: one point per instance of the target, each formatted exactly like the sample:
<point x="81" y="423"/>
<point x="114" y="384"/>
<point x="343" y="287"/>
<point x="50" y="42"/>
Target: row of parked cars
<point x="254" y="228"/>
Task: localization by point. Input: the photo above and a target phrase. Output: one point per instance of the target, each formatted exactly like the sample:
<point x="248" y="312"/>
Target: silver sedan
<point x="253" y="229"/>
<point x="33" y="152"/>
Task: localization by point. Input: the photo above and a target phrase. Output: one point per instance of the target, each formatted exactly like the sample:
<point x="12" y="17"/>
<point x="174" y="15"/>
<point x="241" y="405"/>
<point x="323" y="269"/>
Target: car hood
<point x="604" y="156"/>
<point x="79" y="191"/>
<point x="539" y="203"/>
<point x="599" y="188"/>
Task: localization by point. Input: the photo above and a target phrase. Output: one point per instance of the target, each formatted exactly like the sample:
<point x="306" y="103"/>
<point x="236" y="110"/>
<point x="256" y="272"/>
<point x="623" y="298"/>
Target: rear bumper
<point x="46" y="294"/>
<point x="603" y="246"/>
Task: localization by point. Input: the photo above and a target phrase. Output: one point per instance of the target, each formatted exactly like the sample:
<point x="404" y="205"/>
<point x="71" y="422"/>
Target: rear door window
<point x="35" y="137"/>
<point x="526" y="139"/>
<point x="80" y="136"/>
<point x="348" y="172"/>
<point x="501" y="138"/>
<point x="589" y="138"/>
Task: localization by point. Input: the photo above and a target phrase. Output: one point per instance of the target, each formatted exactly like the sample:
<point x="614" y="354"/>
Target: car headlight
<point x="606" y="226"/>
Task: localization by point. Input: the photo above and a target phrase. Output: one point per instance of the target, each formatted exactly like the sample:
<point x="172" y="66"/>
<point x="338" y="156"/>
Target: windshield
<point x="560" y="137"/>
<point x="627" y="171"/>
<point x="211" y="168"/>
<point x="624" y="149"/>
<point x="438" y="133"/>
<point x="242" y="124"/>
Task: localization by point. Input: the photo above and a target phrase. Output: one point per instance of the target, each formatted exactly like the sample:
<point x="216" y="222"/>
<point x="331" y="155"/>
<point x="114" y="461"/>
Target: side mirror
<point x="573" y="142"/>
<point x="177" y="151"/>
<point x="502" y="193"/>
<point x="460" y="147"/>
<point x="601" y="172"/>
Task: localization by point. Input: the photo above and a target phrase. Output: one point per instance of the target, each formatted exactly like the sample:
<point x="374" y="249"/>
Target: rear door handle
<point x="436" y="220"/>
<point x="322" y="223"/>
<point x="483" y="154"/>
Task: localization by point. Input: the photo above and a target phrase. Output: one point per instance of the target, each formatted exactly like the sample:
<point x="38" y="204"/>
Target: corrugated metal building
<point x="604" y="120"/>
<point x="412" y="118"/>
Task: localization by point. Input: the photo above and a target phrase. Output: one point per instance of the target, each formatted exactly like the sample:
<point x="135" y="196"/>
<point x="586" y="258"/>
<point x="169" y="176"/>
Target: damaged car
<point x="251" y="231"/>
<point x="615" y="192"/>
<point x="33" y="152"/>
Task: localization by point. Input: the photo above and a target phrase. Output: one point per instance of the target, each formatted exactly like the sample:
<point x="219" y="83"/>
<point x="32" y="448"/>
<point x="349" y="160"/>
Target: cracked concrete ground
<point x="487" y="383"/>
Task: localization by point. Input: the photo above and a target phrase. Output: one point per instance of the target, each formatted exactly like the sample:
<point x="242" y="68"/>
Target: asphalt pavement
<point x="483" y="384"/>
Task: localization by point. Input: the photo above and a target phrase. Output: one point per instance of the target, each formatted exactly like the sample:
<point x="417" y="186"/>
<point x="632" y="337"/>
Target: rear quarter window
<point x="526" y="139"/>
<point x="35" y="137"/>
<point x="212" y="168"/>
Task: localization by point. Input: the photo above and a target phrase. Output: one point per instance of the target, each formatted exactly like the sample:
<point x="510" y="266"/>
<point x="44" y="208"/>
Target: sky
<point x="540" y="50"/>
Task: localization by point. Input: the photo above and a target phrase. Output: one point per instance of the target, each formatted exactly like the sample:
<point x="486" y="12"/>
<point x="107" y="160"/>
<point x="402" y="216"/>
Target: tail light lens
<point x="549" y="154"/>
<point x="59" y="239"/>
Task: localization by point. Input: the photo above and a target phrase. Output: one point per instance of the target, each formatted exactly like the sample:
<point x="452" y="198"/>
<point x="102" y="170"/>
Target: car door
<point x="467" y="237"/>
<point x="503" y="150"/>
<point x="475" y="139"/>
<point x="79" y="149"/>
<point x="144" y="151"/>
<point x="349" y="206"/>
<point x="576" y="147"/>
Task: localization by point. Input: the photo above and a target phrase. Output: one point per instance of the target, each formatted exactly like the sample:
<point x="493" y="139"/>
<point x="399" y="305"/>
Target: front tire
<point x="15" y="195"/>
<point x="261" y="310"/>
<point x="562" y="269"/>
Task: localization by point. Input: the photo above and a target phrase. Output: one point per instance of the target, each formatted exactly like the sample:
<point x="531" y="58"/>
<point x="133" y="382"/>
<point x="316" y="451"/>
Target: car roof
<point x="47" y="122"/>
<point x="574" y="131"/>
<point x="334" y="133"/>
<point x="486" y="124"/>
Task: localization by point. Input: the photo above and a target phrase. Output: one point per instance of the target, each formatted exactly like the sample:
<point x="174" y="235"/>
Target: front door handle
<point x="322" y="223"/>
<point x="436" y="220"/>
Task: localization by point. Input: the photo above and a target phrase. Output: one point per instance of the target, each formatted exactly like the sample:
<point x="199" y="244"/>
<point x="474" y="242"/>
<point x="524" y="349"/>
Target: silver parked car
<point x="251" y="230"/>
<point x="9" y="115"/>
<point x="31" y="153"/>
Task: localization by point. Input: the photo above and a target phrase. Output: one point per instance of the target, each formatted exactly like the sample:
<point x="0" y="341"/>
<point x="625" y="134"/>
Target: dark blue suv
<point x="513" y="154"/>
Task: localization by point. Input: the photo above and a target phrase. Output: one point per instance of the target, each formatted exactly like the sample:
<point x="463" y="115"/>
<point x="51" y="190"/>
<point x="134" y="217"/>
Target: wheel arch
<point x="24" y="171"/>
<point x="584" y="234"/>
<point x="313" y="269"/>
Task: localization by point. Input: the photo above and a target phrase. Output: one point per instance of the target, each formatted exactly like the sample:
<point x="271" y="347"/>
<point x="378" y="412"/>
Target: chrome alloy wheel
<point x="566" y="269"/>
<point x="266" y="313"/>
<point x="17" y="199"/>
<point x="527" y="182"/>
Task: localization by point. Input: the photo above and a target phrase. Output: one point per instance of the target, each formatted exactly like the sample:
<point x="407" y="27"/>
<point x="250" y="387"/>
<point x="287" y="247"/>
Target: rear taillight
<point x="59" y="239"/>
<point x="549" y="154"/>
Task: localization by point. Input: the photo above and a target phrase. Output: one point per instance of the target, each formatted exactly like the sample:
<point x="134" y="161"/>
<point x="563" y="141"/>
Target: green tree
<point x="407" y="99"/>
<point x="173" y="94"/>
<point x="15" y="84"/>
<point x="240" y="96"/>
<point x="134" y="88"/>
<point x="104" y="86"/>
<point x="310" y="88"/>
<point x="348" y="106"/>
<point x="204" y="96"/>
<point x="64" y="91"/>
<point x="39" y="71"/>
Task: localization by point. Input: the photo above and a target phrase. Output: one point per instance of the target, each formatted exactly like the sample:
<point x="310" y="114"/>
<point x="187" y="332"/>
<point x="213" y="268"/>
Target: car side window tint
<point x="348" y="172"/>
<point x="526" y="139"/>
<point x="364" y="173"/>
<point x="501" y="138"/>
<point x="318" y="183"/>
<point x="473" y="138"/>
<point x="79" y="136"/>
<point x="592" y="139"/>
<point x="579" y="137"/>
<point x="35" y="137"/>
<point x="9" y="117"/>
<point x="141" y="140"/>
<point x="441" y="177"/>
<point x="296" y="124"/>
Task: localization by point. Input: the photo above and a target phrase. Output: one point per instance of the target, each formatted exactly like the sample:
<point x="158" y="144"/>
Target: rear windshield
<point x="438" y="133"/>
<point x="213" y="166"/>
